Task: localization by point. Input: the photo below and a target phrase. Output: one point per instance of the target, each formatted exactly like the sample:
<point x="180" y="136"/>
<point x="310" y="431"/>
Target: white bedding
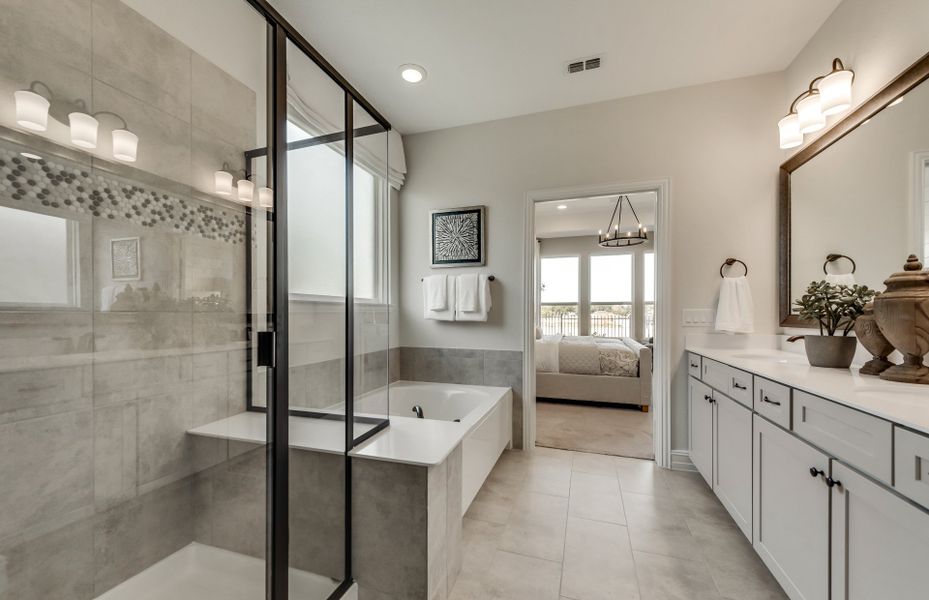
<point x="588" y="355"/>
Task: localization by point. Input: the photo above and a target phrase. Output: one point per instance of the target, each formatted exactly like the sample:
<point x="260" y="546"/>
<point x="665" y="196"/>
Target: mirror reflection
<point x="865" y="197"/>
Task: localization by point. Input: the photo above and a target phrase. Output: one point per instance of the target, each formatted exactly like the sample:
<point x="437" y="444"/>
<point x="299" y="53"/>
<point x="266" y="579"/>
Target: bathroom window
<point x="317" y="200"/>
<point x="648" y="296"/>
<point x="40" y="260"/>
<point x="611" y="287"/>
<point x="559" y="312"/>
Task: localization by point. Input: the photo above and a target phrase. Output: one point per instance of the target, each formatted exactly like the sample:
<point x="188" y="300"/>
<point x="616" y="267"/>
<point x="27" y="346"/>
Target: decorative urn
<point x="869" y="335"/>
<point x="902" y="314"/>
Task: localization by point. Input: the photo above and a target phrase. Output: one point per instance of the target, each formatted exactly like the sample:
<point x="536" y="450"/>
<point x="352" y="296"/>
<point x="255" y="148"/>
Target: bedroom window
<point x="611" y="286"/>
<point x="559" y="313"/>
<point x="648" y="284"/>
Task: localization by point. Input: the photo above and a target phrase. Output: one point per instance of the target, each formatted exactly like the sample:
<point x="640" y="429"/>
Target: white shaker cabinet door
<point x="791" y="511"/>
<point x="880" y="542"/>
<point x="732" y="471"/>
<point x="701" y="428"/>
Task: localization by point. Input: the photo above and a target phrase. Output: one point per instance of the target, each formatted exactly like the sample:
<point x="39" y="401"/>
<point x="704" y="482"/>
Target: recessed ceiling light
<point x="412" y="73"/>
<point x="895" y="102"/>
<point x="562" y="206"/>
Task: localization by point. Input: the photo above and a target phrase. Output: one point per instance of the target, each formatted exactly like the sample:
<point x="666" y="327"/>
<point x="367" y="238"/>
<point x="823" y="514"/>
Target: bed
<point x="594" y="369"/>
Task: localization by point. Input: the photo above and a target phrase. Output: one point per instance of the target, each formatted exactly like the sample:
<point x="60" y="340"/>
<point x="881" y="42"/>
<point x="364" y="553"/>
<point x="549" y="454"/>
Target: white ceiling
<point x="490" y="59"/>
<point x="587" y="216"/>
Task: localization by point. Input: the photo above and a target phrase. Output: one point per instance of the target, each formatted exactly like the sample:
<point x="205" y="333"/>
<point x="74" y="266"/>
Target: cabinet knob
<point x="833" y="482"/>
<point x="814" y="472"/>
<point x="707" y="397"/>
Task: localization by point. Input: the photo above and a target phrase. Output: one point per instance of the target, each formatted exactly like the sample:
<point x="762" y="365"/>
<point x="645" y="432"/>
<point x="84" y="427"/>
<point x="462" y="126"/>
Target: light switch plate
<point x="698" y="317"/>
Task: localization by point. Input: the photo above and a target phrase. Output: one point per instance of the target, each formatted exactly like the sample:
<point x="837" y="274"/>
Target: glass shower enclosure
<point x="194" y="302"/>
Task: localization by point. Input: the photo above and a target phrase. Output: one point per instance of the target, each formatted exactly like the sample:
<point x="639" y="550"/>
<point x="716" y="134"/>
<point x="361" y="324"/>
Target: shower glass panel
<point x="371" y="269"/>
<point x="124" y="265"/>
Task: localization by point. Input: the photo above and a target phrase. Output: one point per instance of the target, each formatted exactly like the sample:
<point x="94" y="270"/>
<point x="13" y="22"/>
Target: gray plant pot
<point x="834" y="351"/>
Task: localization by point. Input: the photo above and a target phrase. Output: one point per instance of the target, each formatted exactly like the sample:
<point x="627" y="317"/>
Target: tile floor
<point x="616" y="430"/>
<point x="560" y="525"/>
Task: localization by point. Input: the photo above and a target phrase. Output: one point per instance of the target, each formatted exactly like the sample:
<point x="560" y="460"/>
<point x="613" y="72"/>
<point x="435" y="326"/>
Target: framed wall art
<point x="457" y="236"/>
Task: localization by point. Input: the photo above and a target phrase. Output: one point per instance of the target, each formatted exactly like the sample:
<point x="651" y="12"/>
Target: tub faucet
<point x="419" y="411"/>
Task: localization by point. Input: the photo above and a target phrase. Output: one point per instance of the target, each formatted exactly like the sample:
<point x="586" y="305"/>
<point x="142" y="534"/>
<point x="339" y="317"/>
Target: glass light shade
<point x="265" y="197"/>
<point x="246" y="191"/>
<point x="789" y="128"/>
<point x="31" y="110"/>
<point x="810" y="114"/>
<point x="835" y="92"/>
<point x="125" y="145"/>
<point x="83" y="130"/>
<point x="222" y="183"/>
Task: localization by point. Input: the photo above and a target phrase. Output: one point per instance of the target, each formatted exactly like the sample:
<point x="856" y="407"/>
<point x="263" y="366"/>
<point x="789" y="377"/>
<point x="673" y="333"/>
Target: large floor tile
<point x="537" y="526"/>
<point x="598" y="562"/>
<point x="641" y="477"/>
<point x="517" y="577"/>
<point x="596" y="497"/>
<point x="657" y="526"/>
<point x="667" y="578"/>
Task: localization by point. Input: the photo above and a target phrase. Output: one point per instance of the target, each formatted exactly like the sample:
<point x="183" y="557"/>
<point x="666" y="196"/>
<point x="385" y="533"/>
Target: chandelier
<point x="616" y="236"/>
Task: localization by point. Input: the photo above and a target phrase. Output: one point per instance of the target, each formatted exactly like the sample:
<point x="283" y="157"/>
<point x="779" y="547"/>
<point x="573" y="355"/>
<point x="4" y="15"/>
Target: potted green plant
<point x="835" y="308"/>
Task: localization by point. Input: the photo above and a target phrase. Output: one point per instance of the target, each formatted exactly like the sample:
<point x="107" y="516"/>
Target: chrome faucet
<point x="419" y="411"/>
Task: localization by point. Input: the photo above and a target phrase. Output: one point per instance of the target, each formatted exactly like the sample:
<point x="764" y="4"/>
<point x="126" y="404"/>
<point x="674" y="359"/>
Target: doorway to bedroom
<point x="594" y="313"/>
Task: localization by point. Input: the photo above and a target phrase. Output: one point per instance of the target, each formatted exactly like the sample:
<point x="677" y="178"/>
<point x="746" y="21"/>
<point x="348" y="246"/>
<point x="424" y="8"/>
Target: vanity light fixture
<point x="222" y="183"/>
<point x="246" y="191"/>
<point x="614" y="237"/>
<point x="245" y="188"/>
<point x="265" y="197"/>
<point x="31" y="110"/>
<point x="826" y="95"/>
<point x="412" y="73"/>
<point x="83" y="130"/>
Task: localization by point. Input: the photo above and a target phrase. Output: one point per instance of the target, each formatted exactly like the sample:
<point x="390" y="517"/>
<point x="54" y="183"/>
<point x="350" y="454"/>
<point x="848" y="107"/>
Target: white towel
<point x="436" y="292"/>
<point x="736" y="311"/>
<point x="840" y="279"/>
<point x="467" y="292"/>
<point x="448" y="314"/>
<point x="484" y="303"/>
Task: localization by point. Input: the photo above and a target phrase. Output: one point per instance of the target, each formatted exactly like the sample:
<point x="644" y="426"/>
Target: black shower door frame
<point x="280" y="31"/>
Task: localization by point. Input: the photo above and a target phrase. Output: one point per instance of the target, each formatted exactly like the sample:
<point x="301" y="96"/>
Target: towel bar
<point x="489" y="278"/>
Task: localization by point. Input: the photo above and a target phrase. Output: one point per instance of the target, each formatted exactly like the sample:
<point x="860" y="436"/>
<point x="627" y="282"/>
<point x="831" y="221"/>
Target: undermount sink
<point x="775" y="355"/>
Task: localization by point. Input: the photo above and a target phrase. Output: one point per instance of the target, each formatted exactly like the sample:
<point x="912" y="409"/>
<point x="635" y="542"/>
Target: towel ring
<point x="729" y="262"/>
<point x="834" y="257"/>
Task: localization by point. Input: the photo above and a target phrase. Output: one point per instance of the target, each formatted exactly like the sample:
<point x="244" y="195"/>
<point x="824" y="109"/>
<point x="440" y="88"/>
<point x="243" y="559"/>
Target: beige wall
<point x="717" y="144"/>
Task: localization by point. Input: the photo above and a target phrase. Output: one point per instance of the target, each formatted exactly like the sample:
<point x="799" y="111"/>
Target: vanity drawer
<point x="911" y="465"/>
<point x="693" y="364"/>
<point x="772" y="401"/>
<point x="734" y="383"/>
<point x="860" y="440"/>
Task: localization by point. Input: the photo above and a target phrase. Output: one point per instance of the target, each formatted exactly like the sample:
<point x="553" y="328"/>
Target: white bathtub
<point x="484" y="430"/>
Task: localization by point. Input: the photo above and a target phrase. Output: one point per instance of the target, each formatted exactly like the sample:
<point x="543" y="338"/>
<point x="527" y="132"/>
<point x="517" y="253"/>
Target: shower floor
<point x="198" y="571"/>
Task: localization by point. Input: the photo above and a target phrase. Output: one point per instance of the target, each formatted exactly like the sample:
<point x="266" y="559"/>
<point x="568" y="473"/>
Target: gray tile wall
<point x="322" y="384"/>
<point x="472" y="367"/>
<point x="100" y="478"/>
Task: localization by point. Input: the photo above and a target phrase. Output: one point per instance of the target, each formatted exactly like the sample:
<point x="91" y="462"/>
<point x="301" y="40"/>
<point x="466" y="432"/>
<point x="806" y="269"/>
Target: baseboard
<point x="680" y="461"/>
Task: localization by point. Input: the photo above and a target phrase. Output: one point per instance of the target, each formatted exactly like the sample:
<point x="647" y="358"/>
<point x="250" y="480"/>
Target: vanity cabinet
<point x="701" y="429"/>
<point x="791" y="511"/>
<point x="732" y="460"/>
<point x="880" y="541"/>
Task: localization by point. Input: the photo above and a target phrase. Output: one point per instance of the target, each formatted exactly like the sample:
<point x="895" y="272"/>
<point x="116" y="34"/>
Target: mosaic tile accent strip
<point x="81" y="189"/>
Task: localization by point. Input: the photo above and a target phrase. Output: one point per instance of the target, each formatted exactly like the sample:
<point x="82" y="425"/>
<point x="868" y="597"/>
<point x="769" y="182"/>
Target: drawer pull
<point x="814" y="472"/>
<point x="694" y="366"/>
<point x="738" y="385"/>
<point x="833" y="482"/>
<point x="764" y="398"/>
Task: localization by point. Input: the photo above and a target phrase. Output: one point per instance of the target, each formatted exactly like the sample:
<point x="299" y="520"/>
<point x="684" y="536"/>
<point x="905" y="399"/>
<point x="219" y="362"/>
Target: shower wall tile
<point x="164" y="137"/>
<point x="47" y="468"/>
<point x="123" y="381"/>
<point x="120" y="331"/>
<point x="220" y="104"/>
<point x="67" y="37"/>
<point x="132" y="53"/>
<point x="133" y="535"/>
<point x="317" y="500"/>
<point x="436" y="531"/>
<point x="236" y="514"/>
<point x="33" y="393"/>
<point x="57" y="565"/>
<point x="44" y="334"/>
<point x="218" y="329"/>
<point x="214" y="274"/>
<point x="115" y="455"/>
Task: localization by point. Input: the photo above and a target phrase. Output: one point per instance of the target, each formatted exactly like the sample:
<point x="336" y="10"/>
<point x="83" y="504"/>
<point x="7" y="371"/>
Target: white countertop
<point x="904" y="403"/>
<point x="424" y="442"/>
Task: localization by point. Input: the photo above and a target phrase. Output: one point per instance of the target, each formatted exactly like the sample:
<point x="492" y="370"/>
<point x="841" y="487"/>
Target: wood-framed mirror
<point x="859" y="191"/>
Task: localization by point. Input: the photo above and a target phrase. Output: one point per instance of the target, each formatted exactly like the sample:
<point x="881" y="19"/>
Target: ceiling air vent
<point x="583" y="64"/>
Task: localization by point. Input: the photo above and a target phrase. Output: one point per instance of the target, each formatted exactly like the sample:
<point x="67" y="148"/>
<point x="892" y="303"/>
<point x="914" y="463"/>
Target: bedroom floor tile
<point x="573" y="526"/>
